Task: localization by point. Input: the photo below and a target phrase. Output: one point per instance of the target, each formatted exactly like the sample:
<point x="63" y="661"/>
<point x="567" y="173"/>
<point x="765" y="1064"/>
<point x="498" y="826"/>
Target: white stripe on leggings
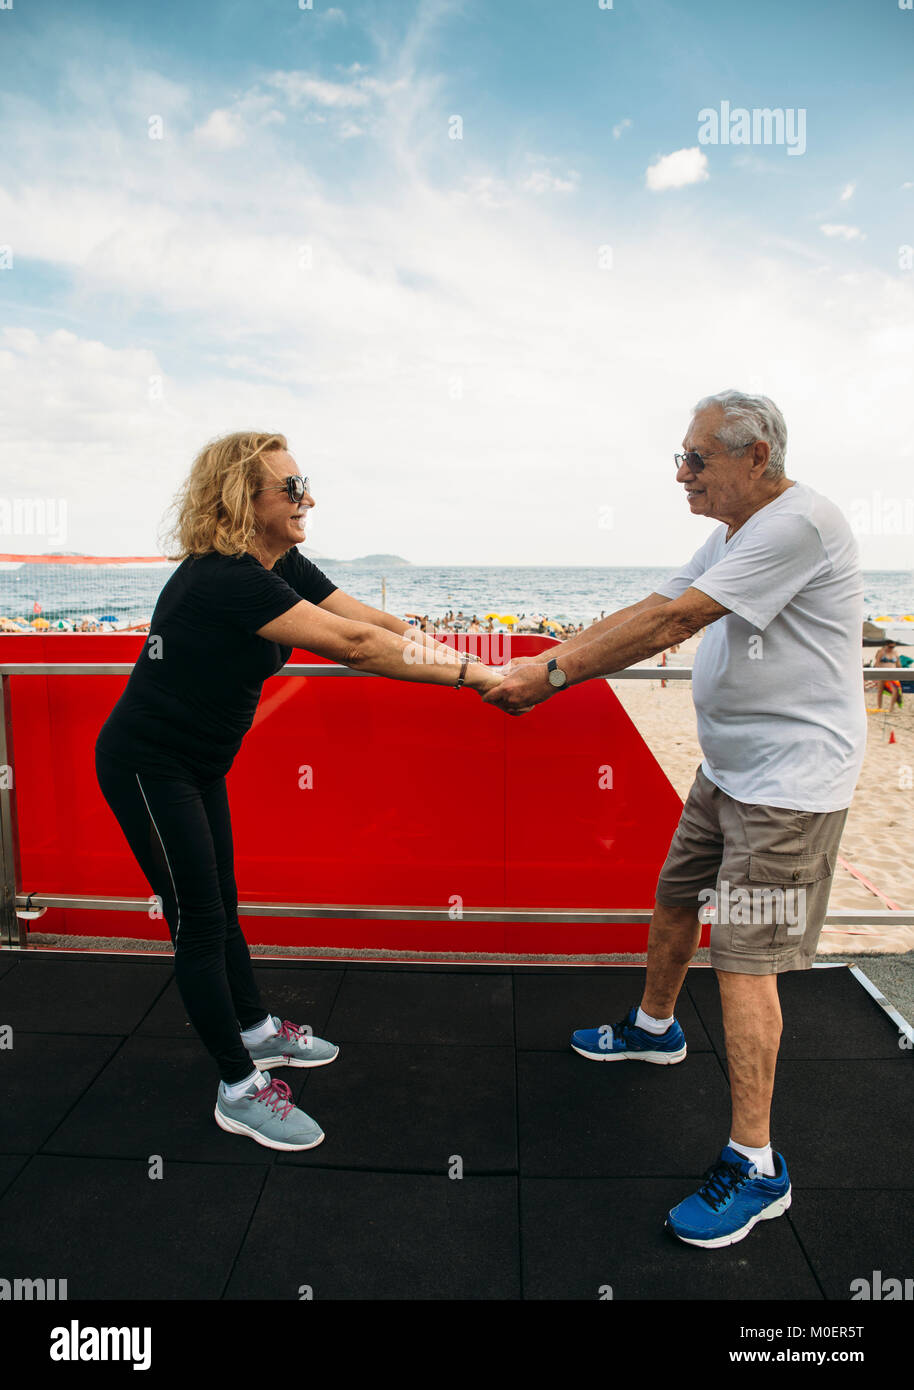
<point x="165" y="852"/>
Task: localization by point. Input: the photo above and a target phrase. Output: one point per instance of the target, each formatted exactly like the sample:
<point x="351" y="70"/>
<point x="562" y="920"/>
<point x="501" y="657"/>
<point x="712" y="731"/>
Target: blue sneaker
<point x="292" y="1047"/>
<point x="731" y="1200"/>
<point x="268" y="1116"/>
<point x="623" y="1042"/>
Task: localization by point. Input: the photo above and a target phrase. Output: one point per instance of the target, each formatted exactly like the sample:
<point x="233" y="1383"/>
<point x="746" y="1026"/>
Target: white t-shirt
<point x="777" y="682"/>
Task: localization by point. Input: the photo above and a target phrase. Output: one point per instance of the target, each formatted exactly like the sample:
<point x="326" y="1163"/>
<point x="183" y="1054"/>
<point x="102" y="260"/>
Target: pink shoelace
<point x="276" y="1094"/>
<point x="290" y="1033"/>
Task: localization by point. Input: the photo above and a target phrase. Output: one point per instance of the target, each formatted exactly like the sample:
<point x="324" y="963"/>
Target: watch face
<point x="557" y="677"/>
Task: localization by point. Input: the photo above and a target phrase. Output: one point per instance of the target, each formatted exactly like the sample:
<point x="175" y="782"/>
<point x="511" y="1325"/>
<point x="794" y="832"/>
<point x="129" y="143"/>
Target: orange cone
<point x="892" y="738"/>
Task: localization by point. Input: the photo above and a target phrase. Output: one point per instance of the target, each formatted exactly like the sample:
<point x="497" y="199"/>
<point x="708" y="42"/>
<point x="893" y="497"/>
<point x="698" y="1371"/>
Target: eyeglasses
<point x="295" y="487"/>
<point x="695" y="462"/>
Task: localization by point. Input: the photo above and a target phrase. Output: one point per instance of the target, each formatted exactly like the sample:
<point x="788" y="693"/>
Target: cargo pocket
<point x="778" y="886"/>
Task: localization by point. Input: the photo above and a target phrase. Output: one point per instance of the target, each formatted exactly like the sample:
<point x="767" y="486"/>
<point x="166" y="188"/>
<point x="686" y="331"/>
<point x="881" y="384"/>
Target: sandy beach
<point x="879" y="834"/>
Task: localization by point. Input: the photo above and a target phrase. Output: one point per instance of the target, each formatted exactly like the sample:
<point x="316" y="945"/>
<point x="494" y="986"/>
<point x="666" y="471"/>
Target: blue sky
<point x="463" y="371"/>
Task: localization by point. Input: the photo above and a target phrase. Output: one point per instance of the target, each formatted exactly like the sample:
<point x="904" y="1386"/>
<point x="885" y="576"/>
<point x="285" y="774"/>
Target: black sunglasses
<point x="695" y="462"/>
<point x="295" y="487"/>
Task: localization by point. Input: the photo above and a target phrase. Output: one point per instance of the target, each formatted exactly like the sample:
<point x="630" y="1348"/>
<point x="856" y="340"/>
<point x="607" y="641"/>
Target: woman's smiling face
<point x="281" y="521"/>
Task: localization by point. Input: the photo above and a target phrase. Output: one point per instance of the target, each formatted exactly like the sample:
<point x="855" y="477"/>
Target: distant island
<point x="369" y="561"/>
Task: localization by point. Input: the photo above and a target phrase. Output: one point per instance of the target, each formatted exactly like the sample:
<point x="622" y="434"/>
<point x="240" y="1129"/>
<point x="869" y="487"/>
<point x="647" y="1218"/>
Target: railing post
<point x="9" y="827"/>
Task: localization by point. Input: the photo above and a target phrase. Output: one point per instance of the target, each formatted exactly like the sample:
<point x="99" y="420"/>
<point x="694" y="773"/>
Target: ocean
<point x="565" y="593"/>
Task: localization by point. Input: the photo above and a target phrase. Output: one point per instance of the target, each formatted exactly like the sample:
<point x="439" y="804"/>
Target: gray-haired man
<point x="778" y="692"/>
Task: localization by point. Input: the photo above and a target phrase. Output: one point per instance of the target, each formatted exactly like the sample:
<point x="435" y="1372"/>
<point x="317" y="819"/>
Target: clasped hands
<point x="522" y="684"/>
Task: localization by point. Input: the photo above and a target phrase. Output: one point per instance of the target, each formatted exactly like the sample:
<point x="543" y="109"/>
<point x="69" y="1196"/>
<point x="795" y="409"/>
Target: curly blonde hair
<point x="214" y="509"/>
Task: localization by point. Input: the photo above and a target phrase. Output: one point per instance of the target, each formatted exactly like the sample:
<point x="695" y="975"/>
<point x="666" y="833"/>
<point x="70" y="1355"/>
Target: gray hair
<point x="750" y="415"/>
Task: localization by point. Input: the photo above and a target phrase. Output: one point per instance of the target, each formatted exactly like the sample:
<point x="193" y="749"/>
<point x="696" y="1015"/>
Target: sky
<point x="476" y="259"/>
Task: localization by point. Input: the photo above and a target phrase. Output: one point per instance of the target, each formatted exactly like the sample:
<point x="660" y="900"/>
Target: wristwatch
<point x="557" y="676"/>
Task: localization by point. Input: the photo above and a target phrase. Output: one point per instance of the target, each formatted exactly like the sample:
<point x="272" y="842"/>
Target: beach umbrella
<point x="40" y="622"/>
<point x="507" y="618"/>
<point x="872" y="635"/>
<point x="109" y="618"/>
<point x="489" y="615"/>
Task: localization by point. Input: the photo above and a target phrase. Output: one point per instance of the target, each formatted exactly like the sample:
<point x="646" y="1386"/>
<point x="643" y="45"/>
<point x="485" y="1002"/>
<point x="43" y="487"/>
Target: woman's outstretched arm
<point x="375" y="650"/>
<point x="345" y="606"/>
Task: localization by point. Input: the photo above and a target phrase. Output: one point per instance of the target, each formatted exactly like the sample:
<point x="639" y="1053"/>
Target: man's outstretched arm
<point x="649" y="631"/>
<point x="581" y="639"/>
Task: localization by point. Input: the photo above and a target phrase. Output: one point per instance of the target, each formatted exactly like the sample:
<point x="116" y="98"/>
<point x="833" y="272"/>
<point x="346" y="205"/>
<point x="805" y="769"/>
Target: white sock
<point x="237" y="1089"/>
<point x="762" y="1158"/>
<point x="259" y="1033"/>
<point x="651" y="1025"/>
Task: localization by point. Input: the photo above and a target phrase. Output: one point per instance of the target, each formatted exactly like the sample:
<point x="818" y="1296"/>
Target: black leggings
<point x="180" y="832"/>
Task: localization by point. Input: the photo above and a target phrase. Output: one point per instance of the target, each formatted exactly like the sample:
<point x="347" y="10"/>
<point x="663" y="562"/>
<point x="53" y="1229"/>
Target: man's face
<point x="722" y="488"/>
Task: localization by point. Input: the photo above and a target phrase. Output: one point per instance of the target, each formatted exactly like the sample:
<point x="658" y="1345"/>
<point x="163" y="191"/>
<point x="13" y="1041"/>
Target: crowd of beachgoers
<point x="497" y="622"/>
<point x="448" y="622"/>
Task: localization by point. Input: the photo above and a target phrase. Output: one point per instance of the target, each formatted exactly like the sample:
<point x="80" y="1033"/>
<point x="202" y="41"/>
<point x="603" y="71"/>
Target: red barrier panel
<point x="369" y="792"/>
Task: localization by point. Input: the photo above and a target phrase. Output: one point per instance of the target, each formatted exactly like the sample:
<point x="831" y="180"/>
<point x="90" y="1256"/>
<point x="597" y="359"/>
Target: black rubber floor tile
<point x="414" y="1109"/>
<point x="268" y="962"/>
<point x="423" y="1007"/>
<point x="845" y="1125"/>
<point x="582" y="1239"/>
<point x="549" y="1008"/>
<point x="631" y="972"/>
<point x="10" y="1166"/>
<point x="380" y="1236"/>
<point x="157" y="1096"/>
<point x="448" y="967"/>
<point x="826" y="1013"/>
<point x="8" y="962"/>
<point x="619" y="1119"/>
<point x="42" y="1078"/>
<point x="850" y="1239"/>
<point x="113" y="1232"/>
<point x="304" y="997"/>
<point x="53" y="994"/>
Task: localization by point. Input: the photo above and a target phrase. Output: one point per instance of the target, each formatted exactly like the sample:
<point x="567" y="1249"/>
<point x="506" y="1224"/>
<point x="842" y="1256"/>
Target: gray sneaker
<point x="291" y="1046"/>
<point x="269" y="1117"/>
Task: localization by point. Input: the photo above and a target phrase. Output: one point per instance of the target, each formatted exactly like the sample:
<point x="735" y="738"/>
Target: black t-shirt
<point x="193" y="692"/>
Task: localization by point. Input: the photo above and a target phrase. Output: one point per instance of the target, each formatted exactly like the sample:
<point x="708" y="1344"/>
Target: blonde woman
<point x="228" y="618"/>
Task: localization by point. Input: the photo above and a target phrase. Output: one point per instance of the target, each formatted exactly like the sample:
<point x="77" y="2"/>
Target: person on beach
<point x="778" y="693"/>
<point x="888" y="656"/>
<point x="228" y="618"/>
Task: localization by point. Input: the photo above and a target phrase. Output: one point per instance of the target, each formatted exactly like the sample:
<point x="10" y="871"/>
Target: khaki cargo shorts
<point x="761" y="875"/>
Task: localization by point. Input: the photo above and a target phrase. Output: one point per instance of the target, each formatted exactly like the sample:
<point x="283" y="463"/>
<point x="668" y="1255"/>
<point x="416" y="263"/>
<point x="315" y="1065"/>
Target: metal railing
<point x="13" y="900"/>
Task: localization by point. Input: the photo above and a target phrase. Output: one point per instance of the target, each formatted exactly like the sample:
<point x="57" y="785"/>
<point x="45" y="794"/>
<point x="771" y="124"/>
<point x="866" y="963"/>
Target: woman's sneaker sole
<point x="236" y="1127"/>
<point x="284" y="1060"/>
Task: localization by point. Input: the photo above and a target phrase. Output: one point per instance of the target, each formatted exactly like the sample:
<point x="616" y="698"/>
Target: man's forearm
<point x="638" y="637"/>
<point x="596" y="630"/>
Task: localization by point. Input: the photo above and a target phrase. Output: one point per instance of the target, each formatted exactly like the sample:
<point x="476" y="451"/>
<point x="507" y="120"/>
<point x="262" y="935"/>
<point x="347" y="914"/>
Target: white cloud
<point x="299" y="87"/>
<point x="488" y="191"/>
<point x="622" y="126"/>
<point x="544" y="181"/>
<point x="847" y="192"/>
<point x="678" y="169"/>
<point x="443" y="360"/>
<point x="222" y="130"/>
<point x="839" y="229"/>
